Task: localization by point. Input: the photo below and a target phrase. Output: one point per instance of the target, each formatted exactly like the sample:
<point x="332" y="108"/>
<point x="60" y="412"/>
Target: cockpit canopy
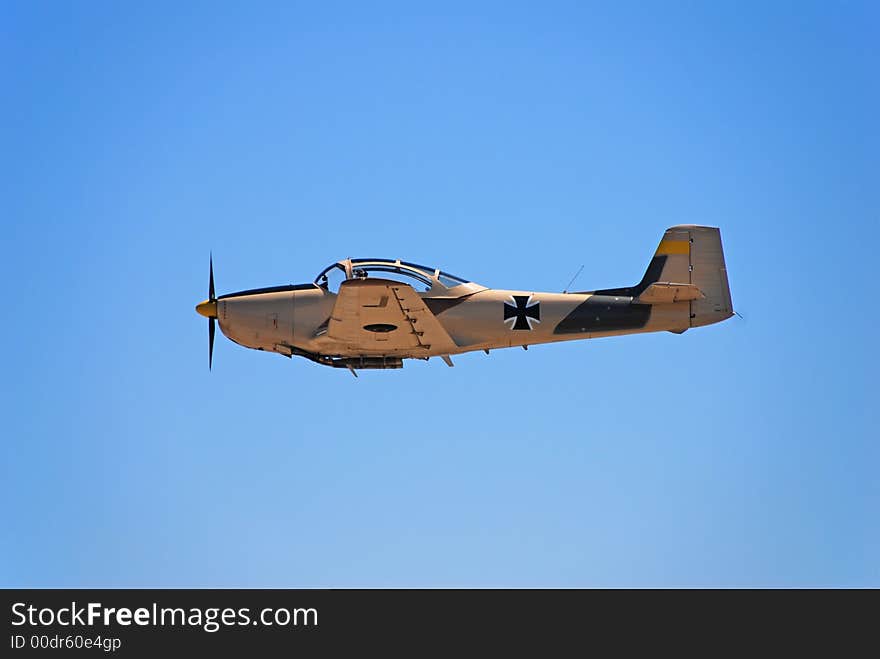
<point x="421" y="277"/>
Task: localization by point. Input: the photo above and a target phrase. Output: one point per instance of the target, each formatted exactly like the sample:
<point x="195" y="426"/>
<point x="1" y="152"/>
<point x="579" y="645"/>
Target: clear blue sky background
<point x="509" y="143"/>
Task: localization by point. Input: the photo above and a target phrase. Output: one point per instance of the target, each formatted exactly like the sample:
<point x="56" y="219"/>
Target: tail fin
<point x="687" y="266"/>
<point x="690" y="254"/>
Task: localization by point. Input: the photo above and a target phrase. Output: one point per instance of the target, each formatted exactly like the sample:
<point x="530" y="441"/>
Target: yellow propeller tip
<point x="208" y="308"/>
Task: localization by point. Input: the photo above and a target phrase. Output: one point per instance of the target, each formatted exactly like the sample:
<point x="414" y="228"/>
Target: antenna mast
<point x="572" y="279"/>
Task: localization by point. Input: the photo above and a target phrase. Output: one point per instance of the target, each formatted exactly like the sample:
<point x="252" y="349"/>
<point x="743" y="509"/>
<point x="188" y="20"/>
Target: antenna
<point x="572" y="279"/>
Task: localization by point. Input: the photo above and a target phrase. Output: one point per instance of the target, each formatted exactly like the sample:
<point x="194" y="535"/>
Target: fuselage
<point x="374" y="313"/>
<point x="299" y="317"/>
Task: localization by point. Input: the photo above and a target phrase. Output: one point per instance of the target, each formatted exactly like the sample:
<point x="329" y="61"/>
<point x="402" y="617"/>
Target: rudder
<point x="709" y="274"/>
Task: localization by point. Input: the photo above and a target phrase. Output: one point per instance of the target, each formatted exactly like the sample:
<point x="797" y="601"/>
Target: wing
<point x="384" y="316"/>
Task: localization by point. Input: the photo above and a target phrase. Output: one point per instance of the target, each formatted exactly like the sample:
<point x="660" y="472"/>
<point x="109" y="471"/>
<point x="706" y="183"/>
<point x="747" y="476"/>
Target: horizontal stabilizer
<point x="664" y="292"/>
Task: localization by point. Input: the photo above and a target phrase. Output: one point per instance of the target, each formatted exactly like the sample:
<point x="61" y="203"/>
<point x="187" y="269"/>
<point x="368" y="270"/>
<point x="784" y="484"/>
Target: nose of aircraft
<point x="208" y="308"/>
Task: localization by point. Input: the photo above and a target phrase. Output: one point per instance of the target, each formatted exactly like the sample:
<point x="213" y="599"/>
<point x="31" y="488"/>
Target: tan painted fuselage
<point x="375" y="317"/>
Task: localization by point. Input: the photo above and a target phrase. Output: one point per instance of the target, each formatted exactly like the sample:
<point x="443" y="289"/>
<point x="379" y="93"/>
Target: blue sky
<point x="508" y="143"/>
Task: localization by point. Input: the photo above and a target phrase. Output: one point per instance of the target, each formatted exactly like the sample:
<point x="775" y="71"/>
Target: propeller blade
<point x="210" y="342"/>
<point x="211" y="282"/>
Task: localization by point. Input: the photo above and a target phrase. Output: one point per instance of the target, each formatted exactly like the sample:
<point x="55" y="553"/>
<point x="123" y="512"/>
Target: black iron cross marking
<point x="524" y="312"/>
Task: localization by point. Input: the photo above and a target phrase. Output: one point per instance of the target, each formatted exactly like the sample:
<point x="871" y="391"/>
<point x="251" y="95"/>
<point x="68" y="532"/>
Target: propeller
<point x="208" y="308"/>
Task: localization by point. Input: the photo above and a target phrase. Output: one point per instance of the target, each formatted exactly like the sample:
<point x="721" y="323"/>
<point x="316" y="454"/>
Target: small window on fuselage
<point x="450" y="281"/>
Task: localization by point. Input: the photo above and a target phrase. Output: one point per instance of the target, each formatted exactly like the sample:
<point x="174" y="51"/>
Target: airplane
<point x="373" y="313"/>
